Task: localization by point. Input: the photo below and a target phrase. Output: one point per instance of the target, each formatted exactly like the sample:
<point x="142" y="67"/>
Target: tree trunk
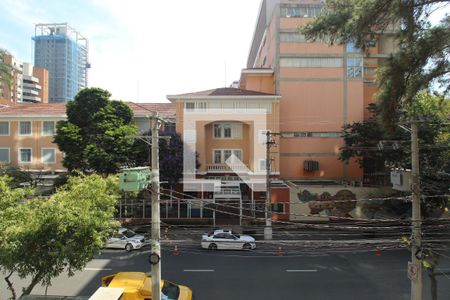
<point x="10" y="286"/>
<point x="33" y="283"/>
<point x="433" y="283"/>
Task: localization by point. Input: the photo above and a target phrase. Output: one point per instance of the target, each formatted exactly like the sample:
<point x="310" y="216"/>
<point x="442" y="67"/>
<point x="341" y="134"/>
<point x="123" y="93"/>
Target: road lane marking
<point x="205" y="270"/>
<point x="301" y="271"/>
<point x="97" y="269"/>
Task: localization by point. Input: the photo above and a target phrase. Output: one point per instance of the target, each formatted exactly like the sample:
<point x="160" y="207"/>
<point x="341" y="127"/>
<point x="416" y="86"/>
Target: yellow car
<point x="138" y="286"/>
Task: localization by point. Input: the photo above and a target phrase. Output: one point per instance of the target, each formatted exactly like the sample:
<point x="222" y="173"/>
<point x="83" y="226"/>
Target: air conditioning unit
<point x="400" y="180"/>
<point x="311" y="165"/>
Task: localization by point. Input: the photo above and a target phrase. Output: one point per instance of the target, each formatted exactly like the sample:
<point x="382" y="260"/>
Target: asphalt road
<point x="261" y="275"/>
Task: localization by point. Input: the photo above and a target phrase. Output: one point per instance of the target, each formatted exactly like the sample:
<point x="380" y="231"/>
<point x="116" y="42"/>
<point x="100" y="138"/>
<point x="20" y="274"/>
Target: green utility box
<point x="134" y="179"/>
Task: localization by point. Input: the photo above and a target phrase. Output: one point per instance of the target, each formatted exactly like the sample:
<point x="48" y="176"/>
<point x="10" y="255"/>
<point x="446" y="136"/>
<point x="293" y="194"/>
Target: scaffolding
<point x="63" y="51"/>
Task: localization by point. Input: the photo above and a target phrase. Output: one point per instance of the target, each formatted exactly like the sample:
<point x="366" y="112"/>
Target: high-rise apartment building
<point x="34" y="84"/>
<point x="28" y="84"/>
<point x="63" y="51"/>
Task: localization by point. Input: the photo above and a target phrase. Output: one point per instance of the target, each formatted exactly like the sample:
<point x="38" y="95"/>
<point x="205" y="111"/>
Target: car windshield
<point x="128" y="233"/>
<point x="170" y="291"/>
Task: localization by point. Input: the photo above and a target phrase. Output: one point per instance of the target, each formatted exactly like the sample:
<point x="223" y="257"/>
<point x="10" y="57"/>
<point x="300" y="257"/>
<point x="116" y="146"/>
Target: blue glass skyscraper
<point x="64" y="53"/>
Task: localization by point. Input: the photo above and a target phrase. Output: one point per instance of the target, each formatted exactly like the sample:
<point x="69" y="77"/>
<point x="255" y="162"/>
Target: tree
<point x="420" y="60"/>
<point x="17" y="176"/>
<point x="95" y="136"/>
<point x="362" y="143"/>
<point x="42" y="238"/>
<point x="6" y="76"/>
<point x="170" y="156"/>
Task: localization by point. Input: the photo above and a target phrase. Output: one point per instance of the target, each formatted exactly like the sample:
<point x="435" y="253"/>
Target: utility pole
<point x="415" y="267"/>
<point x="268" y="210"/>
<point x="156" y="235"/>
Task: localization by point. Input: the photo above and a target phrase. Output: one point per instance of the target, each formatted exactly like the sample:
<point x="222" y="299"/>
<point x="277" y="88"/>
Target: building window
<point x="217" y="156"/>
<point x="196" y="106"/>
<point x="354" y="68"/>
<point x="48" y="128"/>
<point x="222" y="155"/>
<point x="310" y="165"/>
<point x="262" y="137"/>
<point x="292" y="37"/>
<point x="310" y="11"/>
<point x="351" y="48"/>
<point x="217" y="131"/>
<point x="302" y="134"/>
<point x="25" y="128"/>
<point x="189" y="106"/>
<point x="370" y="70"/>
<point x="227" y="130"/>
<point x="311" y="62"/>
<point x="201" y="106"/>
<point x="4" y="128"/>
<point x="48" y="155"/>
<point x="25" y="155"/>
<point x="262" y="165"/>
<point x="4" y="155"/>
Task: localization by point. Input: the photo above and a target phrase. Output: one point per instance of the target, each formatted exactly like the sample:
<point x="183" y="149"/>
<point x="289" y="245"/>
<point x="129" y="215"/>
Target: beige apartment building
<point x="27" y="130"/>
<point x="226" y="122"/>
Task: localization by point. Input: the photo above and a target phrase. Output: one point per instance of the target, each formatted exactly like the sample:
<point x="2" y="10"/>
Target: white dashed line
<point x="301" y="271"/>
<point x="207" y="270"/>
<point x="97" y="269"/>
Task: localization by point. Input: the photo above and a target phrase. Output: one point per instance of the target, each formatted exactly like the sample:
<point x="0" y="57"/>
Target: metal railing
<point x="226" y="167"/>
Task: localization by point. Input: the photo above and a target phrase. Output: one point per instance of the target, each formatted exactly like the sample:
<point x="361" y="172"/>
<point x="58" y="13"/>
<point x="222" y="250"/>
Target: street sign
<point x="413" y="269"/>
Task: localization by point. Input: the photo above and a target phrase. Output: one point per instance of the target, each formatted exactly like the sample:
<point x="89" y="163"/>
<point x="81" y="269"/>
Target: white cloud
<point x="172" y="47"/>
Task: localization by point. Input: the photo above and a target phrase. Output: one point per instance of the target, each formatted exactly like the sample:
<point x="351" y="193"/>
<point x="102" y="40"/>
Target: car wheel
<point x="247" y="246"/>
<point x="128" y="247"/>
<point x="212" y="246"/>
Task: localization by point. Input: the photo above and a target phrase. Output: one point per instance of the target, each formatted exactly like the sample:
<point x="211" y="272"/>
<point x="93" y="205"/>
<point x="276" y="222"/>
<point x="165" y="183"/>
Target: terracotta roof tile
<point x="56" y="109"/>
<point x="144" y="109"/>
<point x="224" y="92"/>
<point x="59" y="109"/>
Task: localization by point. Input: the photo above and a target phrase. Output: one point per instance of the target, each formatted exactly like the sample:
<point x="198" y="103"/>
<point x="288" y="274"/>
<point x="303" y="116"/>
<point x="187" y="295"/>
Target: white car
<point x="226" y="239"/>
<point x="126" y="239"/>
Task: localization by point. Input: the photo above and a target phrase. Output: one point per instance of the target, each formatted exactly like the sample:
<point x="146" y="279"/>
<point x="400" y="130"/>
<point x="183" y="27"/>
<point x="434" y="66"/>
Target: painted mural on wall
<point x="331" y="205"/>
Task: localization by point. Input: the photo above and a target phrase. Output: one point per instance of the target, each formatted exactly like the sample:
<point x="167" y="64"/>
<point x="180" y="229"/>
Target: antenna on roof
<point x="225" y="78"/>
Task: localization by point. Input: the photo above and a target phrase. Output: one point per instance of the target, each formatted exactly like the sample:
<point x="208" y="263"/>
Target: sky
<point x="143" y="50"/>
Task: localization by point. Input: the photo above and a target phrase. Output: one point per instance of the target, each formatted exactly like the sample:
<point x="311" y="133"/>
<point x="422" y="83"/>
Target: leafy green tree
<point x="95" y="136"/>
<point x="42" y="238"/>
<point x="362" y="141"/>
<point x="170" y="156"/>
<point x="6" y="76"/>
<point x="420" y="60"/>
<point x="17" y="176"/>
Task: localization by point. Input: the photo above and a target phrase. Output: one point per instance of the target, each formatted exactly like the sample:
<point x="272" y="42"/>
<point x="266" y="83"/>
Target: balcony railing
<point x="220" y="168"/>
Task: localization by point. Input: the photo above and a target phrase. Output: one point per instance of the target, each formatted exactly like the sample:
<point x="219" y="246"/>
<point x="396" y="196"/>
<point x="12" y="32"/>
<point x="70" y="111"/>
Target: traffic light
<point x="134" y="179"/>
